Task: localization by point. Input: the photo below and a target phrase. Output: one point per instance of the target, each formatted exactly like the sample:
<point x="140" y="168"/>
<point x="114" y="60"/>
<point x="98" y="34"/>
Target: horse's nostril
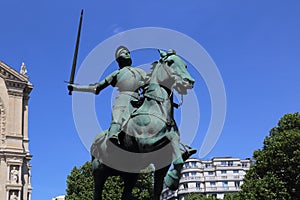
<point x="191" y="82"/>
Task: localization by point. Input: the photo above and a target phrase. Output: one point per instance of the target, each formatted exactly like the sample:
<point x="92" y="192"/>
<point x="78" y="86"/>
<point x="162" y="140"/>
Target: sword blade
<point x="71" y="81"/>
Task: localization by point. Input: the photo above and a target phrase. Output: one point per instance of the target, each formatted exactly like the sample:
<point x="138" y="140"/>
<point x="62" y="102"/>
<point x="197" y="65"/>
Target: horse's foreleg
<point x="159" y="181"/>
<point x="129" y="182"/>
<point x="100" y="174"/>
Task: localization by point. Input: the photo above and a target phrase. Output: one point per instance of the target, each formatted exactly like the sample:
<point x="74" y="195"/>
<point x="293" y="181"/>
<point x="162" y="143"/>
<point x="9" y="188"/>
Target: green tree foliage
<point x="276" y="172"/>
<point x="80" y="185"/>
<point x="144" y="186"/>
<point x="193" y="196"/>
<point x="232" y="196"/>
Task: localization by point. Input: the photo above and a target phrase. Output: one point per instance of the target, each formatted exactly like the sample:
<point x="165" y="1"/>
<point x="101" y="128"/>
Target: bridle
<point x="171" y="74"/>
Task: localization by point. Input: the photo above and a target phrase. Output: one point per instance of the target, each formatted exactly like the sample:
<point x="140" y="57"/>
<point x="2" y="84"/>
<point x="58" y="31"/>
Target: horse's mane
<point x="153" y="65"/>
<point x="161" y="61"/>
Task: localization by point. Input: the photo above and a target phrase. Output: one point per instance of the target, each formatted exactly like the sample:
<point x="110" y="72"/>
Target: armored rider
<point x="128" y="80"/>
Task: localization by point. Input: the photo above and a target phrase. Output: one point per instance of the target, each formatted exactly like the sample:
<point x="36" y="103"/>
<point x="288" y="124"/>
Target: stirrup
<point x="114" y="139"/>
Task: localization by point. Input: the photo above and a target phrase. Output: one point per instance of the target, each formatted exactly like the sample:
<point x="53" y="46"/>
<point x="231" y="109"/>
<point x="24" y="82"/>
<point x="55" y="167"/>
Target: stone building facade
<point x="14" y="153"/>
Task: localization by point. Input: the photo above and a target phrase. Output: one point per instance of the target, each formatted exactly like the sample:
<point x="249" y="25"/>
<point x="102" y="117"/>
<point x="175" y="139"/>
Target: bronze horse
<point x="149" y="136"/>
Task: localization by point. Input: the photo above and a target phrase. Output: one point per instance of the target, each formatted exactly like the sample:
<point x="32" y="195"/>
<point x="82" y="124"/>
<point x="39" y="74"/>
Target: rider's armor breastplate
<point x="128" y="79"/>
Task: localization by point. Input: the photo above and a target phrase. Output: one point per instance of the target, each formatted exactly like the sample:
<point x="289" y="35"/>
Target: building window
<point x="212" y="184"/>
<point x="225" y="184"/>
<point x="193" y="164"/>
<point x="207" y="165"/>
<point x="187" y="165"/>
<point x="223" y="163"/>
<point x="237" y="184"/>
<point x="230" y="163"/>
<point x="198" y="184"/>
<point x="193" y="173"/>
<point x="186" y="175"/>
<point x="185" y="185"/>
<point x="210" y="173"/>
<point x="223" y="171"/>
<point x="235" y="171"/>
<point x="244" y="165"/>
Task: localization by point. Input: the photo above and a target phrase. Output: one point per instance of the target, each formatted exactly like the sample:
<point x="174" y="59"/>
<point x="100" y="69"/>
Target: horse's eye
<point x="170" y="62"/>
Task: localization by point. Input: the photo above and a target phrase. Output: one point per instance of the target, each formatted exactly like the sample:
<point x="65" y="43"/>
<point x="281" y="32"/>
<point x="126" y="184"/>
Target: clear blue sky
<point x="255" y="44"/>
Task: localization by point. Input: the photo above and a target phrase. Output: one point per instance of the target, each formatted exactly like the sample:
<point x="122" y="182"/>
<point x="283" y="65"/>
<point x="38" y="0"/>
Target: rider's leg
<point x="113" y="132"/>
<point x="116" y="124"/>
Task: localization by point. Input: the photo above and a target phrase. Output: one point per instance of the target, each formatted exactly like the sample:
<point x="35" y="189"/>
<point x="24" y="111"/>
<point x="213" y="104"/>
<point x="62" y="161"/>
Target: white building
<point x="215" y="177"/>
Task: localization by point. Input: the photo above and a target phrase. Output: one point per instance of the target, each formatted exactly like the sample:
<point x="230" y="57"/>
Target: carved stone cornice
<point x="15" y="81"/>
<point x="14" y="186"/>
<point x="27" y="90"/>
<point x="15" y="93"/>
<point x="8" y="73"/>
<point x="13" y="155"/>
<point x="15" y="84"/>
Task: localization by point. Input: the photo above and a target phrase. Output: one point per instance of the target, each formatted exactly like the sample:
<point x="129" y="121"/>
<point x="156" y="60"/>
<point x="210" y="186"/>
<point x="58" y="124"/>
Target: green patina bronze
<point x="141" y="123"/>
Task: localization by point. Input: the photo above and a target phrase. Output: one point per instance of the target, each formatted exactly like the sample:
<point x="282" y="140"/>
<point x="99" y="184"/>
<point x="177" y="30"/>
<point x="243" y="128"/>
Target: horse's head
<point x="174" y="72"/>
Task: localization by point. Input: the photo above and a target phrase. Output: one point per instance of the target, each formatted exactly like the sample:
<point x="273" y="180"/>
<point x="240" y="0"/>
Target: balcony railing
<point x="189" y="190"/>
<point x="226" y="177"/>
<point x="222" y="189"/>
<point x="192" y="178"/>
<point x="227" y="167"/>
<point x="211" y="178"/>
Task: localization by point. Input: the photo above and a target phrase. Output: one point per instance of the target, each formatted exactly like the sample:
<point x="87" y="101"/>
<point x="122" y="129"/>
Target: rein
<point x="172" y="88"/>
<point x="152" y="93"/>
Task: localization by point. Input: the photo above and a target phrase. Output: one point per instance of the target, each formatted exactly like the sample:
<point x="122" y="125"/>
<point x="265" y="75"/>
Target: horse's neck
<point x="157" y="95"/>
<point x="161" y="76"/>
<point x="157" y="101"/>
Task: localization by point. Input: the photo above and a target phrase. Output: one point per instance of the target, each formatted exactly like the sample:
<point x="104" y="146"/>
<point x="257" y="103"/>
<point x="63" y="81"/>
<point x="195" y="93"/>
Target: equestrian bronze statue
<point x="143" y="126"/>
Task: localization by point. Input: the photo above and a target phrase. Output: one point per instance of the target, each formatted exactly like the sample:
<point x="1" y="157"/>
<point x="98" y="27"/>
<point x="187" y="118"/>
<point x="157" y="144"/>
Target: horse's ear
<point x="162" y="53"/>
